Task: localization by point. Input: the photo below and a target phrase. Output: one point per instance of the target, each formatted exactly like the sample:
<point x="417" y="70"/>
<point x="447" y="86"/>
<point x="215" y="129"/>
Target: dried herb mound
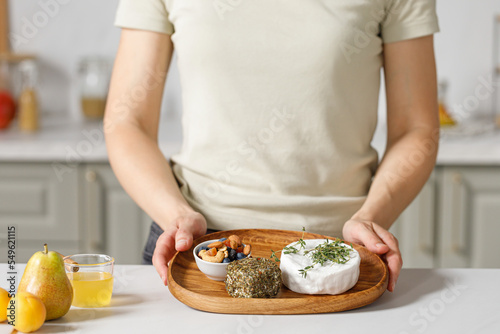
<point x="253" y="278"/>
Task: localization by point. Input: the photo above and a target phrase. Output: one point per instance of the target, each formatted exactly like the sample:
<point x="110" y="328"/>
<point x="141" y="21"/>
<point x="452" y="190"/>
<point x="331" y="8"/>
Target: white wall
<point x="464" y="48"/>
<point x="73" y="30"/>
<point x="79" y="28"/>
<point x="464" y="52"/>
<point x="61" y="32"/>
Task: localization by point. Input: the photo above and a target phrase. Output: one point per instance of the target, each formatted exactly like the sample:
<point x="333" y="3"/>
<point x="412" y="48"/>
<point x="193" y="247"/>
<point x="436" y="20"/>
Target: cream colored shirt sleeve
<point x="149" y="15"/>
<point x="407" y="19"/>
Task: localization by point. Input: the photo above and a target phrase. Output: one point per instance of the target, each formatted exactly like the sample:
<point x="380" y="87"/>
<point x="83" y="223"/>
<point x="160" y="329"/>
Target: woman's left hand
<point x="379" y="241"/>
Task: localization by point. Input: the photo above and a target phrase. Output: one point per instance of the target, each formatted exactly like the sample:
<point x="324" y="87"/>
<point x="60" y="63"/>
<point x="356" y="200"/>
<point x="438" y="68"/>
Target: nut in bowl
<point x="213" y="256"/>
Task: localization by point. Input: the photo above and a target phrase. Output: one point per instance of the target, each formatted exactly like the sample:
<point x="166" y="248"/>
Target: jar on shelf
<point x="28" y="100"/>
<point x="94" y="75"/>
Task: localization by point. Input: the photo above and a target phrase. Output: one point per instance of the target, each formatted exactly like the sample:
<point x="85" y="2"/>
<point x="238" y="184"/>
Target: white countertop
<point x="72" y="141"/>
<point x="425" y="301"/>
<point x="475" y="145"/>
<point x="62" y="140"/>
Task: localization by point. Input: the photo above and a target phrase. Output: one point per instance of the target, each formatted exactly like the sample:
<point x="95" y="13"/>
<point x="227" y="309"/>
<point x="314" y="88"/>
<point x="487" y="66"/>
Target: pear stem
<point x="45" y="249"/>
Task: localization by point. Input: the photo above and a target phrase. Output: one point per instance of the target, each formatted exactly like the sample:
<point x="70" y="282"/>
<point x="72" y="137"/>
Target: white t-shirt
<point x="279" y="102"/>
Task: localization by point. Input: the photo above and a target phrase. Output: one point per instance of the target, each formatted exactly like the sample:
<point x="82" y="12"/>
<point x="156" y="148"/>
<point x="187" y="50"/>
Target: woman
<point x="280" y="105"/>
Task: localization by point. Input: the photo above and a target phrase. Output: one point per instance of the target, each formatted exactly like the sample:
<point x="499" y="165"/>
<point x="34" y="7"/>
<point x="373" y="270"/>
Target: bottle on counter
<point x="94" y="82"/>
<point x="28" y="101"/>
<point x="445" y="118"/>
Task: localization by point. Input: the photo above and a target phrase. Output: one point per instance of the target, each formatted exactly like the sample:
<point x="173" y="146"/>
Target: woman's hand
<point x="379" y="241"/>
<point x="178" y="236"/>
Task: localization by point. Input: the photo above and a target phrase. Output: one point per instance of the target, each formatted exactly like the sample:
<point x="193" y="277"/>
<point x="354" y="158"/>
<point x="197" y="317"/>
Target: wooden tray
<point x="190" y="286"/>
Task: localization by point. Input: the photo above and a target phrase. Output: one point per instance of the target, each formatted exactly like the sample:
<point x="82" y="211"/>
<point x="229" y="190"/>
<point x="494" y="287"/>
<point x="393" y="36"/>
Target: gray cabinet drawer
<point x="42" y="207"/>
<point x="470" y="217"/>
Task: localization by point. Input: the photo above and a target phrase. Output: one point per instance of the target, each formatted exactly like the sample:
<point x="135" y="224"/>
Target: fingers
<point x="380" y="241"/>
<point x="187" y="229"/>
<point x="387" y="237"/>
<point x="368" y="237"/>
<point x="163" y="253"/>
<point x="394" y="263"/>
<point x="183" y="239"/>
<point x="177" y="237"/>
<point x="393" y="256"/>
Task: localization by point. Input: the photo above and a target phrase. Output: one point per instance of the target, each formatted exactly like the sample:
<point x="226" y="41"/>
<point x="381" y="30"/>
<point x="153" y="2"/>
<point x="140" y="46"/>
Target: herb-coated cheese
<point x="253" y="278"/>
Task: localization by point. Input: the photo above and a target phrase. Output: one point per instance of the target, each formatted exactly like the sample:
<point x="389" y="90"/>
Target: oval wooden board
<point x="190" y="286"/>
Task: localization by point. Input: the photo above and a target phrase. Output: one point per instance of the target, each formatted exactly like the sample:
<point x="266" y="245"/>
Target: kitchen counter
<point x="425" y="301"/>
<point x="476" y="145"/>
<point x="63" y="140"/>
<point x="71" y="141"/>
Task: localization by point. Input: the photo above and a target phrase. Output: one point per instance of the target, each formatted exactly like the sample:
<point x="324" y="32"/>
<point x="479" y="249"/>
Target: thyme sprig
<point x="274" y="256"/>
<point x="335" y="252"/>
<point x="290" y="249"/>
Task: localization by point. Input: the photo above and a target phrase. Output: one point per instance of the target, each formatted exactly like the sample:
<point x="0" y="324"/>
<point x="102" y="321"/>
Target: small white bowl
<point x="214" y="271"/>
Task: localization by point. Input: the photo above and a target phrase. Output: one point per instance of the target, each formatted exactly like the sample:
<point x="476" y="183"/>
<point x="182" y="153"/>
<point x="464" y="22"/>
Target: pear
<point x="46" y="278"/>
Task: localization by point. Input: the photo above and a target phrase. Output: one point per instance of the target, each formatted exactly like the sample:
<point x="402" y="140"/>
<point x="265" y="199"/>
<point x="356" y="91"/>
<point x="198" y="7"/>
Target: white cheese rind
<point x="331" y="278"/>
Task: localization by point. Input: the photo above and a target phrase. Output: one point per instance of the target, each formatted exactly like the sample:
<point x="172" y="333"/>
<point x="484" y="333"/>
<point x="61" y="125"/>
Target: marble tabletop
<point x="425" y="301"/>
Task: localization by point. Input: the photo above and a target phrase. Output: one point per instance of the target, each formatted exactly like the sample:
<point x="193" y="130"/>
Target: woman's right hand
<point x="177" y="236"/>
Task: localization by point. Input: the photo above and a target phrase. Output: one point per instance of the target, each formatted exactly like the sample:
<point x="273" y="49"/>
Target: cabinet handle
<point x="425" y="213"/>
<point x="458" y="228"/>
<point x="457" y="179"/>
<point x="90" y="176"/>
<point x="425" y="248"/>
<point x="425" y="235"/>
<point x="94" y="231"/>
<point x="96" y="246"/>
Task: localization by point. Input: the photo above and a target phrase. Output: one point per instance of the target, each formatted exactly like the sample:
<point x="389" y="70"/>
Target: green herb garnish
<point x="290" y="249"/>
<point x="335" y="252"/>
<point x="274" y="256"/>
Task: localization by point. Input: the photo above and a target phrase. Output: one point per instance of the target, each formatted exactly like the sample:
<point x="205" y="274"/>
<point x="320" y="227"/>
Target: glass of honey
<point x="91" y="276"/>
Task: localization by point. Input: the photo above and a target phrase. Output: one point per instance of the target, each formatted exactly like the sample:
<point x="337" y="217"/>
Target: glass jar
<point x="28" y="101"/>
<point x="94" y="75"/>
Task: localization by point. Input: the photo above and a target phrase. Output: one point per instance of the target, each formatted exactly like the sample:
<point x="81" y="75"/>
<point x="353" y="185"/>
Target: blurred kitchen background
<point x="56" y="184"/>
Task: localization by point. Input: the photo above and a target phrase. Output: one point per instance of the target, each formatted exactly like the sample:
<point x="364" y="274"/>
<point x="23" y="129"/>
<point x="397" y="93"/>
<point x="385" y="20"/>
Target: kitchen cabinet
<point x="469" y="217"/>
<point x="455" y="220"/>
<point x="85" y="211"/>
<point x="41" y="207"/>
<point x="115" y="225"/>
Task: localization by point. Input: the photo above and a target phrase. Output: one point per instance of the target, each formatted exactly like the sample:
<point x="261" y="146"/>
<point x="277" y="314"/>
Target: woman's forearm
<point x="412" y="130"/>
<point x="405" y="167"/>
<point x="145" y="174"/>
<point x="131" y="125"/>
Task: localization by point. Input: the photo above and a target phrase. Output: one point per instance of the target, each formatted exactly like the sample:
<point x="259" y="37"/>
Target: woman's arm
<point x="412" y="144"/>
<point x="131" y="130"/>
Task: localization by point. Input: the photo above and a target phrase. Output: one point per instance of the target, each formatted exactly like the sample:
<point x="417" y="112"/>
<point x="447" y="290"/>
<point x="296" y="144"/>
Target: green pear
<point x="46" y="278"/>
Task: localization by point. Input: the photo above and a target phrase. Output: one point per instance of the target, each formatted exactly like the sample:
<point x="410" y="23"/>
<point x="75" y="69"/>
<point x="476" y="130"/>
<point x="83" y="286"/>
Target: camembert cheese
<point x="331" y="278"/>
